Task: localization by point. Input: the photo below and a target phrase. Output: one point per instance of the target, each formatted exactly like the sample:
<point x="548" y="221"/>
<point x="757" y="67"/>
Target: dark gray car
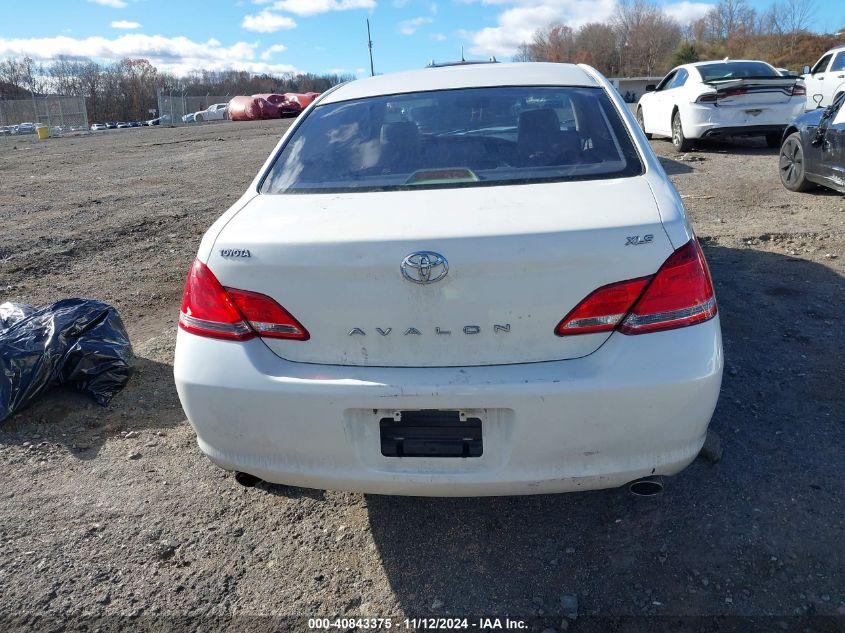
<point x="813" y="149"/>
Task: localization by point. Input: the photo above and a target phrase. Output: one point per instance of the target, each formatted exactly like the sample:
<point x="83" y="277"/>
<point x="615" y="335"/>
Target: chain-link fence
<point x="60" y="114"/>
<point x="175" y="107"/>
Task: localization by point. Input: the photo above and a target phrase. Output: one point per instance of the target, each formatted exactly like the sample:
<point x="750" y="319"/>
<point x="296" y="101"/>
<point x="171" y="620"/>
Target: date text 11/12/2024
<point x="418" y="624"/>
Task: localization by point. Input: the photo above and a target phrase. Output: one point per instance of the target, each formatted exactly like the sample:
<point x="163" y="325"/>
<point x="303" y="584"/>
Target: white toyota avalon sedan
<point x="465" y="280"/>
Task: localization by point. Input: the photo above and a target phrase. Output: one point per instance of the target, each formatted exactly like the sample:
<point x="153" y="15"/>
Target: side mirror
<point x="807" y="70"/>
<point x="651" y="87"/>
<point x="818" y="98"/>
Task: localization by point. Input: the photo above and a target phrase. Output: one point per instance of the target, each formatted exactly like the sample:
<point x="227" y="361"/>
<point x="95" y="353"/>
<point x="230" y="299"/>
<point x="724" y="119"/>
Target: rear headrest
<point x="404" y="133"/>
<point x="538" y="123"/>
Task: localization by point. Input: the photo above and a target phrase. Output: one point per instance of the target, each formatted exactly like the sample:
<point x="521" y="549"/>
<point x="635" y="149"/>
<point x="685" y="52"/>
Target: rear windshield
<point x="456" y="138"/>
<point x="736" y="70"/>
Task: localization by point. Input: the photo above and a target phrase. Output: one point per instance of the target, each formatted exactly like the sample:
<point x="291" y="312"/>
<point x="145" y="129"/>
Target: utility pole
<point x="370" y="46"/>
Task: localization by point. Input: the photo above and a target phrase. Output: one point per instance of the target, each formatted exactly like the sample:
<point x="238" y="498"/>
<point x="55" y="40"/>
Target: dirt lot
<point x="113" y="514"/>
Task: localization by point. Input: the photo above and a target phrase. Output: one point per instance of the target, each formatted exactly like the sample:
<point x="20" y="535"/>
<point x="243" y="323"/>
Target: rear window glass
<point x="456" y="138"/>
<point x="736" y="70"/>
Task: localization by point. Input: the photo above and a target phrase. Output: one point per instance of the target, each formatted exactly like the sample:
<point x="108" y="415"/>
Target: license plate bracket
<point x="431" y="433"/>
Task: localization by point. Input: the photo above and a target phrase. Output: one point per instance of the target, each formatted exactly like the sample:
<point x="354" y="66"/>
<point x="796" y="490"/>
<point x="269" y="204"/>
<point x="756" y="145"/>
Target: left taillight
<point x="209" y="309"/>
<point x="799" y="90"/>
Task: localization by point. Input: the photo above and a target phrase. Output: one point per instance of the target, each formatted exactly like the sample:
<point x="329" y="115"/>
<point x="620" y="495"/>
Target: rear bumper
<point x="748" y="130"/>
<point x="708" y="121"/>
<point x="638" y="406"/>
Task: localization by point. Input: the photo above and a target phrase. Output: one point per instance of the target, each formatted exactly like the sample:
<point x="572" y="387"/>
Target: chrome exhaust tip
<point x="646" y="487"/>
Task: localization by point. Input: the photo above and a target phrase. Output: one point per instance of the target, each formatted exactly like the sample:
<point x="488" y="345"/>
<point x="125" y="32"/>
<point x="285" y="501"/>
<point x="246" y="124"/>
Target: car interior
<point x="496" y="134"/>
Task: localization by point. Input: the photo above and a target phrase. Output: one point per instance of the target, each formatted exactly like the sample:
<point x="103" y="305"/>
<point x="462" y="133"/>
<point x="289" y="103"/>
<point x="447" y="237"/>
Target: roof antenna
<point x="370" y="46"/>
<point x="462" y="53"/>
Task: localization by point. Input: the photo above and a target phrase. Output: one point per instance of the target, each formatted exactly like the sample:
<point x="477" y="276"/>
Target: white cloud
<point x="409" y="27"/>
<point x="521" y="18"/>
<point x="114" y="4"/>
<point x="178" y="55"/>
<point x="315" y="7"/>
<point x="686" y="12"/>
<point x="275" y="48"/>
<point x="267" y="22"/>
<point x="518" y="22"/>
<point x="125" y="24"/>
<point x="439" y="37"/>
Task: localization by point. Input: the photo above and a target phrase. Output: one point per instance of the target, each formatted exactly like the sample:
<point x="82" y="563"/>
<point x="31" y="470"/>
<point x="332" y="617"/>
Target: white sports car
<point x="723" y="98"/>
<point x="216" y="112"/>
<point x="466" y="280"/>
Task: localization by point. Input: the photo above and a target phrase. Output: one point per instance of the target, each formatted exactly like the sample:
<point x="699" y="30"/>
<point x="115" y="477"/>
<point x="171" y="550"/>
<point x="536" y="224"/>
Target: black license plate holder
<point x="431" y="433"/>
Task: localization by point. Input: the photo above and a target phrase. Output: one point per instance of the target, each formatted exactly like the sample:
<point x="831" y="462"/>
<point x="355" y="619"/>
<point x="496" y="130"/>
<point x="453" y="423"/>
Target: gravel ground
<point x="111" y="519"/>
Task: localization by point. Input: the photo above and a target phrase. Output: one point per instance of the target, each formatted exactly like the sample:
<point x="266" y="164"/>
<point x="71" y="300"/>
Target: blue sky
<point x="305" y="35"/>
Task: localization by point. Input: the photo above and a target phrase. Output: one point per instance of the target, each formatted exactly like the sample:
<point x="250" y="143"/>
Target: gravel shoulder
<point x="114" y="512"/>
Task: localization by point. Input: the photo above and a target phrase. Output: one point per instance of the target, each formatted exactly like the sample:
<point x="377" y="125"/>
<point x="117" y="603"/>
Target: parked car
<point x="813" y="149"/>
<point x="124" y="125"/>
<point x="509" y="301"/>
<point x="99" y="126"/>
<point x="25" y="128"/>
<point x="5" y="130"/>
<point x="724" y="98"/>
<point x="111" y="125"/>
<point x="825" y="79"/>
<point x="216" y="112"/>
<point x="164" y="119"/>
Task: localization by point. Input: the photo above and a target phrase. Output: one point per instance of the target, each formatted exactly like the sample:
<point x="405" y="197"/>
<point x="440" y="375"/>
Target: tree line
<point x="641" y="39"/>
<point x="128" y="89"/>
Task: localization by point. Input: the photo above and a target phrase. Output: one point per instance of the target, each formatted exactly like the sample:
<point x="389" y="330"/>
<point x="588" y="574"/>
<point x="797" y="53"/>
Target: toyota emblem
<point x="424" y="267"/>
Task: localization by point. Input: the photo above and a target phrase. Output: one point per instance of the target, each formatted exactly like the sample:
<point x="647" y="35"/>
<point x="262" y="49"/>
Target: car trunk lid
<point x="519" y="259"/>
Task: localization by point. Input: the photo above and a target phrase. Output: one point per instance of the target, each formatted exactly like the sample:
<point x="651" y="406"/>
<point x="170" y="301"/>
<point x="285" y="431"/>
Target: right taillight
<point x="209" y="309"/>
<point x="680" y="294"/>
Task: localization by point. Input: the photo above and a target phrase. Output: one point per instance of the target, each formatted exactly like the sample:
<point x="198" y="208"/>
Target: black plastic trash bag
<point x="74" y="341"/>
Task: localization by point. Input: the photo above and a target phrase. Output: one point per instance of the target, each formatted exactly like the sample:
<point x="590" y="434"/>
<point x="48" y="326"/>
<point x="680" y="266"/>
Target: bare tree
<point x="596" y="45"/>
<point x="555" y="43"/>
<point x="730" y="18"/>
<point x="790" y="18"/>
<point x="646" y="37"/>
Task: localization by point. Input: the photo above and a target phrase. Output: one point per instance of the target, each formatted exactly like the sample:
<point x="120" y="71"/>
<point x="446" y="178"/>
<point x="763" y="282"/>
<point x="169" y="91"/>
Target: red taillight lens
<point x="709" y="97"/>
<point x="680" y="294"/>
<point x="799" y="90"/>
<point x="732" y="92"/>
<point x="267" y="317"/>
<point x="603" y="309"/>
<point x="209" y="309"/>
